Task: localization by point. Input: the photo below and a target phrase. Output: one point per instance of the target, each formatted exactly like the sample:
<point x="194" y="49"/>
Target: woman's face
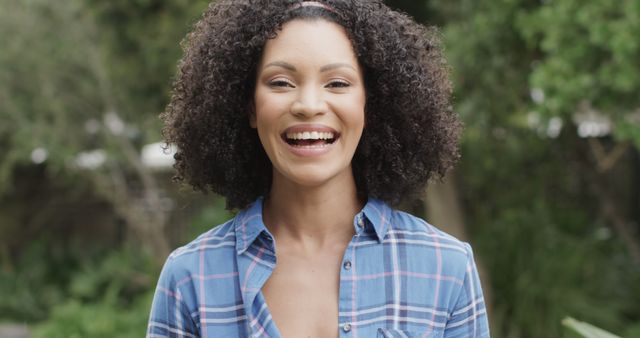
<point x="309" y="102"/>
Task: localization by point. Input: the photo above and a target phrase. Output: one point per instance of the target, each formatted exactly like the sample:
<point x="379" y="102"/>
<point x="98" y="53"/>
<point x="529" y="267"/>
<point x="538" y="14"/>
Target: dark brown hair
<point x="410" y="135"/>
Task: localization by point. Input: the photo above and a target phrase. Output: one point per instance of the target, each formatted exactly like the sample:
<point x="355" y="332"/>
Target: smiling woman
<point x="313" y="118"/>
<point x="309" y="83"/>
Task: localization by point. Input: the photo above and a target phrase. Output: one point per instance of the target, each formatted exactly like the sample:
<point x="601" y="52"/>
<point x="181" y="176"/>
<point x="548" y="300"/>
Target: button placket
<point x="346" y="327"/>
<point x="347" y="283"/>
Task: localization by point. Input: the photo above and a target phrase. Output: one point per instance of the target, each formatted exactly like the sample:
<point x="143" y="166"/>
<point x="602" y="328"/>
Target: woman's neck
<point x="312" y="217"/>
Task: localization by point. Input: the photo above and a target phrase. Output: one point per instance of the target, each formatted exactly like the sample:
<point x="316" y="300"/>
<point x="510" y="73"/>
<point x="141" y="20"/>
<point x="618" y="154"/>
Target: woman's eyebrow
<point x="282" y="64"/>
<point x="332" y="66"/>
<point x="324" y="68"/>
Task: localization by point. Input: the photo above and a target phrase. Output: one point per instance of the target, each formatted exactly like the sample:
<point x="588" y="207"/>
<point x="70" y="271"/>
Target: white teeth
<point x="314" y="135"/>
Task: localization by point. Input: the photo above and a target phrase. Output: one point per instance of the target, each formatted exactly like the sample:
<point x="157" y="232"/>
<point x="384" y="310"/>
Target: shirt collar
<point x="249" y="224"/>
<point x="378" y="214"/>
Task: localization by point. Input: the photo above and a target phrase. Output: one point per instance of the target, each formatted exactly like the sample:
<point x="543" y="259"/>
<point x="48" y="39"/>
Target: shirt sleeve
<point x="170" y="316"/>
<point x="469" y="316"/>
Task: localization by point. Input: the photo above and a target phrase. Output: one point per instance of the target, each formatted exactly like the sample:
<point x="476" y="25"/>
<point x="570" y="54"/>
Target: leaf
<point x="587" y="330"/>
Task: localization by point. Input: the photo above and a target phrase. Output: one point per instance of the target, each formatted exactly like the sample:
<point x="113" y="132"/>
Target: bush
<point x="75" y="319"/>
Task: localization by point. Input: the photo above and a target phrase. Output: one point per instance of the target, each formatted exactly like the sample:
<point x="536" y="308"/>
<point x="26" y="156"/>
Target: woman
<point x="313" y="117"/>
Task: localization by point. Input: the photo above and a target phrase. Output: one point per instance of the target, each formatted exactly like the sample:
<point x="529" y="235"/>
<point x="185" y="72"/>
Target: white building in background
<point x="155" y="156"/>
<point x="158" y="156"/>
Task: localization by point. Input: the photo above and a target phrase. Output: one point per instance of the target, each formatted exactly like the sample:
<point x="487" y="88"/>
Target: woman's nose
<point x="309" y="102"/>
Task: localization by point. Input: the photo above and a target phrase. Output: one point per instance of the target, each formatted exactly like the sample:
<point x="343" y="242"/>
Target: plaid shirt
<point x="400" y="277"/>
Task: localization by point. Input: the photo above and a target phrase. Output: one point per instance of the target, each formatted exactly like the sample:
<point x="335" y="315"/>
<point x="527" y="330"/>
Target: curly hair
<point x="410" y="135"/>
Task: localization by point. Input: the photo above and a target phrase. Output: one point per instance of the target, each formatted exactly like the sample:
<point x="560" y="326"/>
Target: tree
<point x="542" y="183"/>
<point x="587" y="72"/>
<point x="82" y="84"/>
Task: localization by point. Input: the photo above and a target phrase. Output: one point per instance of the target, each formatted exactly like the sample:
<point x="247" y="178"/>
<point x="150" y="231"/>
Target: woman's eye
<point x="280" y="83"/>
<point x="338" y="84"/>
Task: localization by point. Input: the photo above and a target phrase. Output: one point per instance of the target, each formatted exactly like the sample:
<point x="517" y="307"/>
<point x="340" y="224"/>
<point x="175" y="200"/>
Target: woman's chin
<point x="313" y="177"/>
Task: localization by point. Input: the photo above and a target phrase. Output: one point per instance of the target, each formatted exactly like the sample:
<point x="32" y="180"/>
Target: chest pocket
<point x="394" y="333"/>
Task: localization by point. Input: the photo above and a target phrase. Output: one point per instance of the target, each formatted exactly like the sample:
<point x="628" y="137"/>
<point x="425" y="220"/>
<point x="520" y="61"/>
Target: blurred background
<point x="547" y="191"/>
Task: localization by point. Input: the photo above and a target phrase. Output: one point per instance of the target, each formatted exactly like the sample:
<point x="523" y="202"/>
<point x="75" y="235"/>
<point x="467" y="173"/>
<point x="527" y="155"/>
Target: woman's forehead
<point x="309" y="41"/>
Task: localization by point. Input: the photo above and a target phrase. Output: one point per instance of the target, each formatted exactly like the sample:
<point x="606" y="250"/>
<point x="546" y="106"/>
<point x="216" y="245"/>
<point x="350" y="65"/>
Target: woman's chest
<point x="302" y="295"/>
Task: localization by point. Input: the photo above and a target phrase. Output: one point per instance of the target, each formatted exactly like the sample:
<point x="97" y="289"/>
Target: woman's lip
<point x="301" y="128"/>
<point x="309" y="151"/>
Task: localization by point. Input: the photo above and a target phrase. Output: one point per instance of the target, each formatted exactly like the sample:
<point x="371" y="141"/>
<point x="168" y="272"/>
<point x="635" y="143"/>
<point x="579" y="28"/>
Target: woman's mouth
<point x="309" y="138"/>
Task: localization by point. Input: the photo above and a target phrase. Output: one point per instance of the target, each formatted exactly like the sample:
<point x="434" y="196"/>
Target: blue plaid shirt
<point x="400" y="277"/>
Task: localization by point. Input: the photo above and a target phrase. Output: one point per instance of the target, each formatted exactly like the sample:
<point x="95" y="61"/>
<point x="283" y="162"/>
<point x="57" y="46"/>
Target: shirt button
<point x="346" y="327"/>
<point x="347" y="265"/>
<point x="360" y="222"/>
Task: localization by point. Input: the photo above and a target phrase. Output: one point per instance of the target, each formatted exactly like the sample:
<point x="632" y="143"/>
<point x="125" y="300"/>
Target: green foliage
<point x="212" y="215"/>
<point x="632" y="331"/>
<point x="141" y="48"/>
<point x="118" y="277"/>
<point x="67" y="65"/>
<point x="107" y="297"/>
<point x="42" y="96"/>
<point x="36" y="282"/>
<point x="74" y="319"/>
<point x="590" y="53"/>
<point x="57" y="280"/>
<point x="489" y="59"/>
<point x="547" y="258"/>
<point x="534" y="221"/>
<point x="574" y="53"/>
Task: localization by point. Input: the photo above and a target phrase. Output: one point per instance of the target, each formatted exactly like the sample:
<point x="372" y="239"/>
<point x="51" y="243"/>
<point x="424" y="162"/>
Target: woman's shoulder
<point x="429" y="259"/>
<point x="420" y="235"/>
<point x="217" y="244"/>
